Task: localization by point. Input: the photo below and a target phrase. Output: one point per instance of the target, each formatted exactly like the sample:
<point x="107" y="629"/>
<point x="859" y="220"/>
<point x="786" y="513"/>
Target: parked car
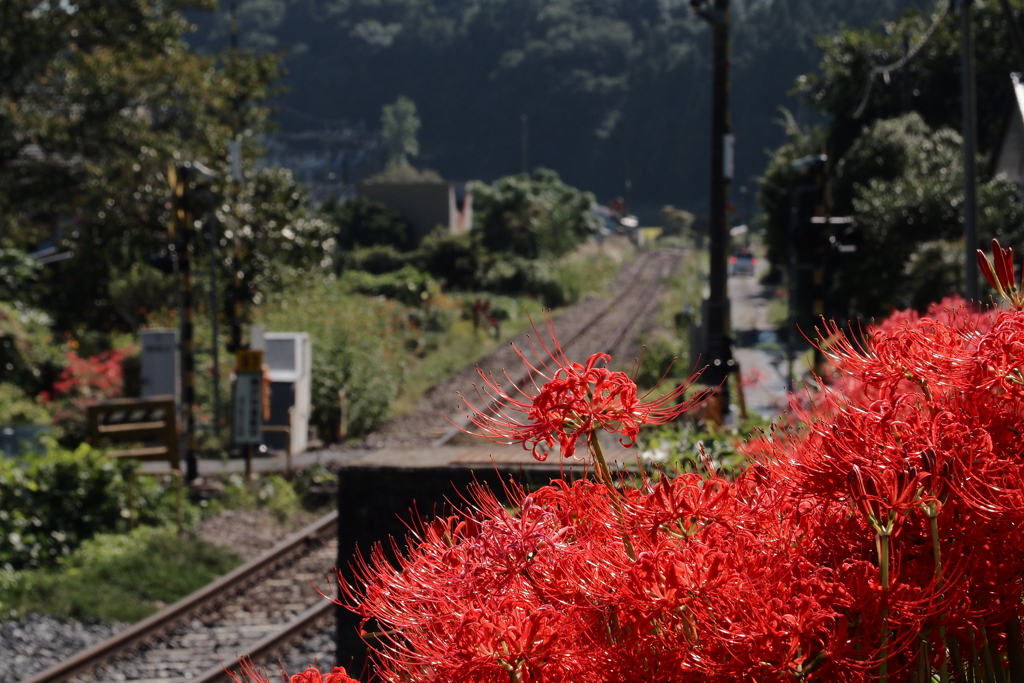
<point x="742" y="262"/>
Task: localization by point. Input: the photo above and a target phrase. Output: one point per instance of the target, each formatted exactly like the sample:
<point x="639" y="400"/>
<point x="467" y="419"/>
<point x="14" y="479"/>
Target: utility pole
<point x="716" y="308"/>
<point x="970" y="134"/>
<point x="235" y="151"/>
<point x="212" y="225"/>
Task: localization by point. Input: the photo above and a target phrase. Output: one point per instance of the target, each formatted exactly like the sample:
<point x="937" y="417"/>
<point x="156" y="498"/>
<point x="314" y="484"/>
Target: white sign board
<point x="247" y="411"/>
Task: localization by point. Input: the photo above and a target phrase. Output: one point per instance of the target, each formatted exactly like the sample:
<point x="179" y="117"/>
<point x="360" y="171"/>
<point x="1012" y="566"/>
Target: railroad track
<point x="257" y="610"/>
<point x="607" y="331"/>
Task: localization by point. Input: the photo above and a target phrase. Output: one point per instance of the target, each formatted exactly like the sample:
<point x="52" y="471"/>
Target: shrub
<point x="376" y="260"/>
<point x="533" y="216"/>
<point x="408" y="285"/>
<point x="17" y="409"/>
<point x="84" y="382"/>
<point x="541" y="279"/>
<point x="357" y="346"/>
<point x="117" y="577"/>
<point x="457" y="260"/>
<point x="51" y="503"/>
<point x="272" y="493"/>
<point x="362" y="222"/>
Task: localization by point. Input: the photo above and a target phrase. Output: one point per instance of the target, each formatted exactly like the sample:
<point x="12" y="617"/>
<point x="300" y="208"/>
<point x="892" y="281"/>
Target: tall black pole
<point x="970" y="135"/>
<point x="716" y="315"/>
<point x="212" y="226"/>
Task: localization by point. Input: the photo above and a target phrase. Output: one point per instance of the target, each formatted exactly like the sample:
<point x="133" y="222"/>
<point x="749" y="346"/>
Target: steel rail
<point x="462" y="423"/>
<point x="167" y="617"/>
<point x="294" y="628"/>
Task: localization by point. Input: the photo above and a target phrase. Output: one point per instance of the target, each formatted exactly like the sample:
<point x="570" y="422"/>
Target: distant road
<point x="763" y="369"/>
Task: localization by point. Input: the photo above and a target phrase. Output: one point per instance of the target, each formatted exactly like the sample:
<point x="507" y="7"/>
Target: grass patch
<point x="460" y="346"/>
<point x="116" y="577"/>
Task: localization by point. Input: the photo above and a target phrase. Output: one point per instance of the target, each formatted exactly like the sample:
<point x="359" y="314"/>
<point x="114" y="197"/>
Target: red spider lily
<point x="569" y="402"/>
<point x="772" y="577"/>
<point x="1001" y="275"/>
<point x="248" y="673"/>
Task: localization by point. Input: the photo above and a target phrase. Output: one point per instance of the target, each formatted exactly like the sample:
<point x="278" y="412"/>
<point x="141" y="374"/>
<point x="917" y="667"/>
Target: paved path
<point x="763" y="368"/>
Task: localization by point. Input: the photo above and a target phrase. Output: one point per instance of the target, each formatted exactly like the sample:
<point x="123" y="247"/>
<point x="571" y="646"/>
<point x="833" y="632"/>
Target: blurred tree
<point x="399" y="124"/>
<point x="897" y="168"/>
<point x="675" y="221"/>
<point x="533" y="216"/>
<point x="362" y="222"/>
<point x="97" y="101"/>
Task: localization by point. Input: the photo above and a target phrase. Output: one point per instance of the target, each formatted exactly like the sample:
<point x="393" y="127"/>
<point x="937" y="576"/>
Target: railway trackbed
<point x="256" y="610"/>
<point x="606" y="331"/>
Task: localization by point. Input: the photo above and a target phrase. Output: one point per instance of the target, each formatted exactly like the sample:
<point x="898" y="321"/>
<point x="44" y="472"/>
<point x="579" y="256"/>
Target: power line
<point x="884" y="71"/>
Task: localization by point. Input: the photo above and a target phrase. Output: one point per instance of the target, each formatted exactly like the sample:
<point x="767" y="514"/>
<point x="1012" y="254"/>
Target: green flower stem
<point x="991" y="672"/>
<point x="933" y="523"/>
<point x="1014" y="650"/>
<point x="883" y="566"/>
<point x="923" y="673"/>
<point x="605" y="474"/>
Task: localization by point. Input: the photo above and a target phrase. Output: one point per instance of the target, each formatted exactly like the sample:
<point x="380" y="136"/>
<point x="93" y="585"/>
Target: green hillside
<point x="613" y="89"/>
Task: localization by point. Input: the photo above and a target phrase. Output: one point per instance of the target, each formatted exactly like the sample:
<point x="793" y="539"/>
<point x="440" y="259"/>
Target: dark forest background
<point x="616" y="91"/>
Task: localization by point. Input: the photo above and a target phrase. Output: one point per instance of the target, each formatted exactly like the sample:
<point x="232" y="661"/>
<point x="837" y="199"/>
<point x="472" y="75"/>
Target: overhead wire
<point x="884" y="71"/>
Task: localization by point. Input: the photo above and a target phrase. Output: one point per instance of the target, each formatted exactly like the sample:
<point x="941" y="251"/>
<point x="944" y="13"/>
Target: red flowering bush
<point x="883" y="538"/>
<point x="84" y="382"/>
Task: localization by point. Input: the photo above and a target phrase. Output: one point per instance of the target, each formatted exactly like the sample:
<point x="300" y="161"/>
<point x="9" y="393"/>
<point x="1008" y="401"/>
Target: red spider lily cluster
<point x="880" y="538"/>
<point x="569" y="403"/>
<point x="250" y="674"/>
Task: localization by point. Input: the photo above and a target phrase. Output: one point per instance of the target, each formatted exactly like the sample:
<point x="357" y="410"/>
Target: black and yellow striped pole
<point x="182" y="231"/>
<point x="186" y="204"/>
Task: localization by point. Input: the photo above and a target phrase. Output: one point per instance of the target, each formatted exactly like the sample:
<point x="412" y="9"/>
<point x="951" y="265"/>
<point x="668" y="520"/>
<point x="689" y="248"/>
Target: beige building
<point x="425" y="205"/>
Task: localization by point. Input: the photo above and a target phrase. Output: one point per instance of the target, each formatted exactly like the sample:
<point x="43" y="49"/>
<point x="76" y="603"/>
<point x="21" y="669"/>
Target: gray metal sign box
<point x="161" y="374"/>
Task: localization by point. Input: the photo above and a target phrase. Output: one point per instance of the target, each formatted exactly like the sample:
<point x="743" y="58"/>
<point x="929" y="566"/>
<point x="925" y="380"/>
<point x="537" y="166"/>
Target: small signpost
<point x="247" y="403"/>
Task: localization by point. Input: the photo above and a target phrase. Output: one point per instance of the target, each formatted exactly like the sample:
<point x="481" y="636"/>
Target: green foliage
<point x="605" y="84"/>
<point x="542" y="279"/>
<point x="29" y="357"/>
<point x="16" y="408"/>
<point x="533" y="216"/>
<point x="660" y="361"/>
<point x="97" y="105"/>
<point x="456" y="260"/>
<point x="51" y="503"/>
<point x="377" y="260"/>
<point x="362" y="222"/>
<point x="898" y="168"/>
<point x="272" y="493"/>
<point x="280" y="239"/>
<point x="116" y="577"/>
<point x="690" y="446"/>
<point x="905" y="182"/>
<point x="837" y="88"/>
<point x="358" y="345"/>
<point x="406" y="173"/>
<point x="774" y="188"/>
<point x="399" y="124"/>
<point x="140" y="289"/>
<point x="408" y="285"/>
<point x="676" y="222"/>
<point x="18" y="274"/>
